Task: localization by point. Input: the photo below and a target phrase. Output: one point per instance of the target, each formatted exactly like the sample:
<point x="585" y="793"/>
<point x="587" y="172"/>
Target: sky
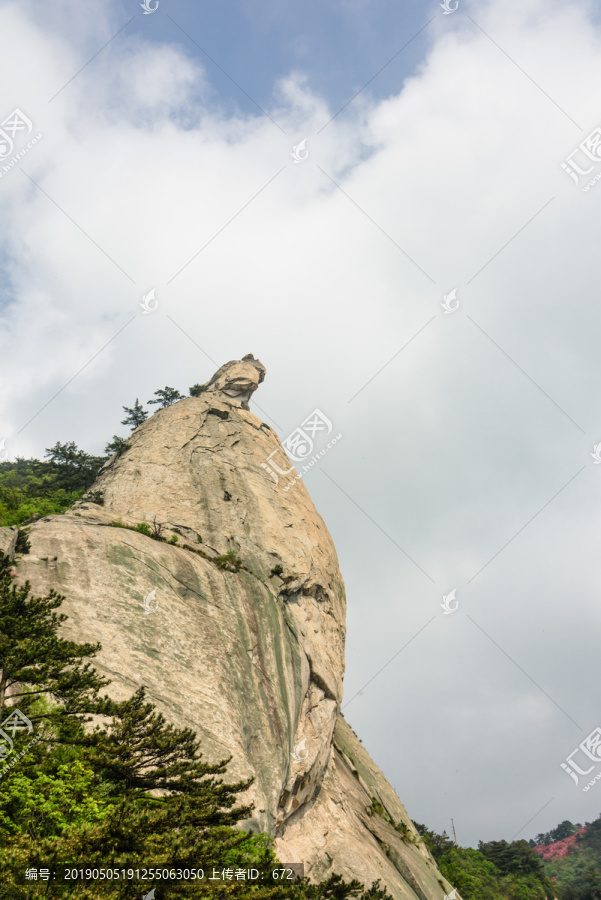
<point x="394" y="207"/>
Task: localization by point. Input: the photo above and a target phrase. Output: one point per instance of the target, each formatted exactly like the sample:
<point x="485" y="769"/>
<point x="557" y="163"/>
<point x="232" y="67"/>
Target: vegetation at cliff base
<point x="563" y="864"/>
<point x="111" y="785"/>
<point x="495" y="871"/>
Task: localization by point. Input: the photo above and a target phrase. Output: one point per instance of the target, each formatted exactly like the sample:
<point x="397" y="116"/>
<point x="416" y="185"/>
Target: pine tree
<point x="166" y="396"/>
<point x="34" y="661"/>
<point x="135" y="415"/>
<point x="75" y="468"/>
<point x="437" y="844"/>
<point x="197" y="389"/>
<point x="154" y="774"/>
<point x="117" y="445"/>
<point x="140" y="752"/>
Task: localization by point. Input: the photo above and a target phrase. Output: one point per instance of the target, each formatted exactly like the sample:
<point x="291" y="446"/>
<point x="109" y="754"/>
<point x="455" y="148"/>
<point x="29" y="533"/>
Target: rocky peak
<point x="244" y="642"/>
<point x="237" y="379"/>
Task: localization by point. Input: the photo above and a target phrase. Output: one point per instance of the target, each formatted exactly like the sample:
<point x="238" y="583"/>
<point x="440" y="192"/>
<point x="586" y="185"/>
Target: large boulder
<point x="237" y="630"/>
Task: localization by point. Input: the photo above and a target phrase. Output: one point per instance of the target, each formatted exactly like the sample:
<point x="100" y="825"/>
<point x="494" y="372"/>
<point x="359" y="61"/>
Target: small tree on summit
<point x="135" y="415"/>
<point x="166" y="396"/>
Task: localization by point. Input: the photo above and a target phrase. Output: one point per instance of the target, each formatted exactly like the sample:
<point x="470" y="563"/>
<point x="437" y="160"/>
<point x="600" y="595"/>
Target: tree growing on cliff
<point x="166" y="396"/>
<point x="437" y="844"/>
<point x="135" y="415"/>
<point x="117" y="445"/>
<point x="76" y="468"/>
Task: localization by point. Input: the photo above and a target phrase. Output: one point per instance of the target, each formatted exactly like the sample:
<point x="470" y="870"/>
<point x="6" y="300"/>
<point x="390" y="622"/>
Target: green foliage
<point x="378" y="810"/>
<point x="578" y="876"/>
<point x="228" y="561"/>
<point x="197" y="389"/>
<point x="118" y="445"/>
<point x="437" y="844"/>
<point x="47" y="804"/>
<point x="591" y="838"/>
<point x="143" y="528"/>
<point x="30" y="489"/>
<point x="576" y="871"/>
<point x="166" y="396"/>
<point x="517" y="857"/>
<point x="406" y="833"/>
<point x="277" y="570"/>
<point x="563" y="830"/>
<point x="154" y="531"/>
<point x="496" y="871"/>
<point x="470" y="872"/>
<point x="19" y="509"/>
<point x="75" y="469"/>
<point x="135" y="415"/>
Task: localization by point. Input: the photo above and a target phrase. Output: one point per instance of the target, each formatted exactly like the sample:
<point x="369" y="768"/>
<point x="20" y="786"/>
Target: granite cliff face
<point x="247" y="648"/>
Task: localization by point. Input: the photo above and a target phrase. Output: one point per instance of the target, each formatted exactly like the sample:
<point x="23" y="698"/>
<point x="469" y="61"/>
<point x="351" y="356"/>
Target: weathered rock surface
<point x="356" y="824"/>
<point x="251" y="658"/>
<point x="8" y="541"/>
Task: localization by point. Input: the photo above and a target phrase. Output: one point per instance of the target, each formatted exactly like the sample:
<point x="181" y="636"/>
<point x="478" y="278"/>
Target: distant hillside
<point x="497" y="870"/>
<point x="563" y="864"/>
<point x="571" y="857"/>
<point x="31" y="488"/>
